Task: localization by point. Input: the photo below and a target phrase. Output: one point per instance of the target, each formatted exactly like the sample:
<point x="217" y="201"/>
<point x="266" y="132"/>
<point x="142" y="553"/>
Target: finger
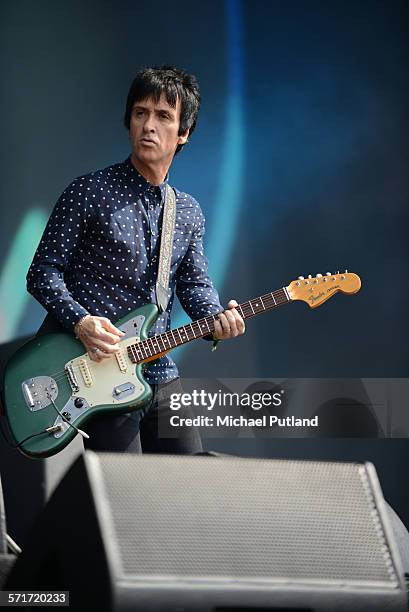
<point x="231" y="322"/>
<point x="224" y="321"/>
<point x="105" y="336"/>
<point x="106" y="323"/>
<point x="97" y="354"/>
<point x="218" y="331"/>
<point x="104" y="346"/>
<point x="241" y="326"/>
<point x="232" y="304"/>
<point x="239" y="321"/>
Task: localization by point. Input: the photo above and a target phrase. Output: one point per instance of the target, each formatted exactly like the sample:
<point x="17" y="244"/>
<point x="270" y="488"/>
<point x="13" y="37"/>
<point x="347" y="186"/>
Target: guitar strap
<point x="166" y="248"/>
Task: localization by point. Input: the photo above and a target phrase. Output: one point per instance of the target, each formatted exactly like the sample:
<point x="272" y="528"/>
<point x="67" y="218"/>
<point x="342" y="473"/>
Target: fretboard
<point x="154" y="346"/>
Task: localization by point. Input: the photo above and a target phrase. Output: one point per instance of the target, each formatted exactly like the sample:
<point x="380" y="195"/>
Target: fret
<point x="165" y="340"/>
<point x="240" y="311"/>
<point x="143" y="350"/>
<point x="184" y="334"/>
<point x="155" y="345"/>
<point x="249" y="309"/>
<point x="198" y="332"/>
<point x="173" y="336"/>
<point x="203" y="326"/>
<point x="157" y="339"/>
<point x="162" y="340"/>
<point x="257" y="305"/>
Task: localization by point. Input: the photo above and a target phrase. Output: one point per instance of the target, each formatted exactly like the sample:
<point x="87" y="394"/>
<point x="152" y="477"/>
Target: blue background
<point x="300" y="158"/>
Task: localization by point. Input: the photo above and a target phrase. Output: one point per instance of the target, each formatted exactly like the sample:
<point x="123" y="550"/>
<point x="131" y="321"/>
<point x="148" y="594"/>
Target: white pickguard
<point x="98" y="388"/>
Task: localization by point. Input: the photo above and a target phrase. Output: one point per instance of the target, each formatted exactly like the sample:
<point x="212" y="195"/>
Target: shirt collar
<point x="142" y="183"/>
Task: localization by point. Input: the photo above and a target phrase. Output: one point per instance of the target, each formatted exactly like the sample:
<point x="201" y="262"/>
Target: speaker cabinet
<point x="127" y="532"/>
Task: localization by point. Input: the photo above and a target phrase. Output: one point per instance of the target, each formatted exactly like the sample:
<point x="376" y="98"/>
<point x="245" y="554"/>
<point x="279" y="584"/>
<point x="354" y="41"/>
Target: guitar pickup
<point x="121" y="360"/>
<point x="85" y="372"/>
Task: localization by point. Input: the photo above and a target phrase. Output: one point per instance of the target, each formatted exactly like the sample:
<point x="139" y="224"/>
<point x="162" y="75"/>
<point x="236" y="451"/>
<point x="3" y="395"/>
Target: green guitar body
<point x="53" y="372"/>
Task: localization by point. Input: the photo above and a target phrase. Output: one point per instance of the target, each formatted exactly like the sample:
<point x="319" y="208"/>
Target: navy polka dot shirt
<point x="99" y="254"/>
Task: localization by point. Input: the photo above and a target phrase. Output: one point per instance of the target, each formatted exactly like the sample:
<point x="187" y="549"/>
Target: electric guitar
<point x="52" y="388"/>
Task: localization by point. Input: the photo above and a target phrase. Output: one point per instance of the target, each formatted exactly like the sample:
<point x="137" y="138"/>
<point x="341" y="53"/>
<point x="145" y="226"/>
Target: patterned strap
<point x="166" y="248"/>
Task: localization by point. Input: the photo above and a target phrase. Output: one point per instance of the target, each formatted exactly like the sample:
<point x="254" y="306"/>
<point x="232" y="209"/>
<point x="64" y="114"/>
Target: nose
<point x="149" y="125"/>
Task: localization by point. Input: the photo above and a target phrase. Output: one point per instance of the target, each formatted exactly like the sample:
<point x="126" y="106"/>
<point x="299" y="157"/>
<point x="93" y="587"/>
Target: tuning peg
<point x="300" y="278"/>
<point x="328" y="274"/>
<point x="310" y="276"/>
<point x="346" y="271"/>
<point x="319" y="275"/>
<point x="338" y="272"/>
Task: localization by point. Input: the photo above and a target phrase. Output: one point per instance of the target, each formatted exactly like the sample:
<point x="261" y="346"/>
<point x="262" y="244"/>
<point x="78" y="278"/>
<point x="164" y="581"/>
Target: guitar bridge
<point x="38" y="392"/>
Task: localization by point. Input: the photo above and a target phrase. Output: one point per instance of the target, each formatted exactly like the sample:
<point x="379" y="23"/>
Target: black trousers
<point x="146" y="430"/>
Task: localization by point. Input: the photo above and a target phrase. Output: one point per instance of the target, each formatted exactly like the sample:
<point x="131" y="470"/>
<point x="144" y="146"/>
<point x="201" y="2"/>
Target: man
<point x="98" y="257"/>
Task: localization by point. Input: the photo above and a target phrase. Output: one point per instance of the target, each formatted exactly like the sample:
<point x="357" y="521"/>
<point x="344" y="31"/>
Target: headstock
<point x="315" y="290"/>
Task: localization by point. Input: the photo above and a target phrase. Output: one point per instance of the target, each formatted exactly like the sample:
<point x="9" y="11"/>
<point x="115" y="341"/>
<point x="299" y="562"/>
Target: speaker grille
<point x="246" y="518"/>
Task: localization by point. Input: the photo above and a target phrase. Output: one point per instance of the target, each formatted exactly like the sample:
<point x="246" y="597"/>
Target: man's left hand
<point x="229" y="324"/>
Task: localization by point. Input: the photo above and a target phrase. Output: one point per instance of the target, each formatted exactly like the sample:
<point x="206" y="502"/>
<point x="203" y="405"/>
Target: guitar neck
<point x="157" y="345"/>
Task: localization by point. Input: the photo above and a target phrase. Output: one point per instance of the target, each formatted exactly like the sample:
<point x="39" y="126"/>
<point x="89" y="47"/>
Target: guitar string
<point x="137" y="350"/>
<point x="146" y="346"/>
<point x="142" y="345"/>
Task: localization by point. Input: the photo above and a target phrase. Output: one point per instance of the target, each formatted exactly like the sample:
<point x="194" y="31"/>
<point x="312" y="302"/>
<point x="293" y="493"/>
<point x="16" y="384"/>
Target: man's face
<point x="153" y="131"/>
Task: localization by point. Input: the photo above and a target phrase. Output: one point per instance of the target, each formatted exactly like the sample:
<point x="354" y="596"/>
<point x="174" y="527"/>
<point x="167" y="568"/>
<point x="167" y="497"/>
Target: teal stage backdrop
<point x="300" y="158"/>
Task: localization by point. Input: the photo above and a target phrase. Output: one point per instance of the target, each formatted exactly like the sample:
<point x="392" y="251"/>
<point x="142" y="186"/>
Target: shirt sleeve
<point x="46" y="275"/>
<point x="194" y="286"/>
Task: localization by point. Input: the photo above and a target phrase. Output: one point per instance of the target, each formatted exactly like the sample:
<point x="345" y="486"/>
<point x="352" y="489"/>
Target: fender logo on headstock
<point x="315" y="291"/>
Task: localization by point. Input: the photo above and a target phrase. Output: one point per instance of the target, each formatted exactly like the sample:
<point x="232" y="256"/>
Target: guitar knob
<point x="309" y="276"/>
<point x="319" y="275"/>
<point x="300" y="278"/>
<point x="78" y="402"/>
<point x="328" y="273"/>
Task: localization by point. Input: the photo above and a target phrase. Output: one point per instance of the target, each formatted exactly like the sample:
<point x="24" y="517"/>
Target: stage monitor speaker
<point x="154" y="532"/>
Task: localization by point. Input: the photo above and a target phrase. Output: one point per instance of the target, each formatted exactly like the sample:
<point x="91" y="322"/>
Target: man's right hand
<point x="99" y="336"/>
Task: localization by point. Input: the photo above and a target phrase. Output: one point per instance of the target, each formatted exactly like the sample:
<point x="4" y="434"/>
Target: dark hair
<point x="174" y="83"/>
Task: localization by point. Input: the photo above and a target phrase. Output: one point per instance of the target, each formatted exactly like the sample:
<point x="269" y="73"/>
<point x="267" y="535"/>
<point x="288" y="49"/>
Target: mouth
<point x="147" y="141"/>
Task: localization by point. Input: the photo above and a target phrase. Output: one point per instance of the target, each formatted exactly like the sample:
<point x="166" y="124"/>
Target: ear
<point x="183" y="138"/>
